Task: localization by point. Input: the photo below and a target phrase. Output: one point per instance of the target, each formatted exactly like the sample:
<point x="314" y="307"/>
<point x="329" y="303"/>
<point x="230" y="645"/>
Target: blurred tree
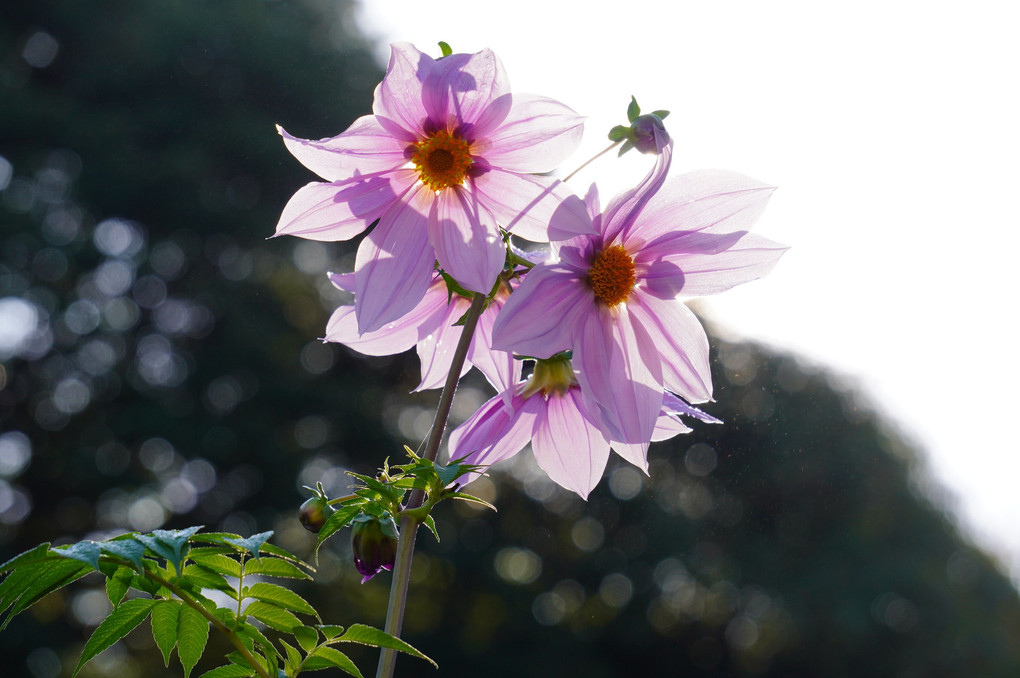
<point x="159" y="367"/>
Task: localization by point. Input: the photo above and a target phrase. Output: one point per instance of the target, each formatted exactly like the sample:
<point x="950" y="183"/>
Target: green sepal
<point x="633" y="110"/>
<point x="619" y="133"/>
<point x="445" y="49"/>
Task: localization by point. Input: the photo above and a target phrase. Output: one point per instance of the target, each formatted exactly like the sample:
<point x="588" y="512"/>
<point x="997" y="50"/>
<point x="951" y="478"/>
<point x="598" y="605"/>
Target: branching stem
<point x="408" y="523"/>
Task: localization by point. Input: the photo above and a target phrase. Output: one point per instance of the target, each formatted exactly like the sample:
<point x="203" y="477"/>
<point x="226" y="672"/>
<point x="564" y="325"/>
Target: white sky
<point x="892" y="130"/>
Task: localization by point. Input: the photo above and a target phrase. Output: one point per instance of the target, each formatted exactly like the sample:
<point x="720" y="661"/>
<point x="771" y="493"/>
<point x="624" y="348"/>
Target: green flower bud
<point x="314" y="513"/>
<point x="374" y="543"/>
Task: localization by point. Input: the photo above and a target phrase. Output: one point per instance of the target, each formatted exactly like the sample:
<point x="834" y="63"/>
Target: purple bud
<point x="374" y="543"/>
<point x="648" y="134"/>
<point x="314" y="512"/>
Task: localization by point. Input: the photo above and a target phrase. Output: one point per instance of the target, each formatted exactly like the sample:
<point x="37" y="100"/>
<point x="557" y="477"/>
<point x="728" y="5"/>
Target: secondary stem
<point x="593" y="159"/>
<point x="408" y="524"/>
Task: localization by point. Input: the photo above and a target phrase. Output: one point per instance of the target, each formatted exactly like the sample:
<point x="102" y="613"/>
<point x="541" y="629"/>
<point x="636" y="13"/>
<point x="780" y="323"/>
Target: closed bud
<point x="314" y="513"/>
<point x="374" y="543"/>
<point x="648" y="133"/>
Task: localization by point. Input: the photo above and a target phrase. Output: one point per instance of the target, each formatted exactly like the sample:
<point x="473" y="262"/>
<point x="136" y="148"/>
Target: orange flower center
<point x="612" y="275"/>
<point x="442" y="160"/>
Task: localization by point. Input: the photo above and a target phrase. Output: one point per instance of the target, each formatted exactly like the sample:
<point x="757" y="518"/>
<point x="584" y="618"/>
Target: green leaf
<point x="124" y="618"/>
<point x="336" y="522"/>
<point x="205" y="578"/>
<point x="331" y="631"/>
<point x="33" y="556"/>
<point x="273" y="616"/>
<point x="633" y="110"/>
<point x="251" y="544"/>
<point x="367" y="635"/>
<point x="217" y="563"/>
<point x="252" y="637"/>
<point x="84" y="551"/>
<point x="278" y="595"/>
<point x="306" y="636"/>
<point x="127" y="548"/>
<point x="327" y="657"/>
<point x="164" y="621"/>
<point x="118" y="584"/>
<point x="192" y="635"/>
<point x="229" y="671"/>
<point x="293" y="657"/>
<point x="39" y="581"/>
<point x="275" y="567"/>
<point x="171" y="545"/>
<point x="431" y="524"/>
<point x="470" y="497"/>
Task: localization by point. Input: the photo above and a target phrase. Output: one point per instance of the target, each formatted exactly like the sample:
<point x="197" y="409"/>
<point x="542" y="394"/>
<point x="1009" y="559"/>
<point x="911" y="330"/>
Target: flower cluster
<point x="449" y="168"/>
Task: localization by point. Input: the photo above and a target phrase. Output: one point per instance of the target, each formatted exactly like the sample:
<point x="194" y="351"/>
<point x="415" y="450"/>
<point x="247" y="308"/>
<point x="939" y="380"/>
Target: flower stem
<point x="593" y="159"/>
<point x="408" y="523"/>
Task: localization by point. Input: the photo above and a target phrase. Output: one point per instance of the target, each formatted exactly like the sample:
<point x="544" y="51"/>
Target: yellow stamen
<point x="442" y="160"/>
<point x="611" y="276"/>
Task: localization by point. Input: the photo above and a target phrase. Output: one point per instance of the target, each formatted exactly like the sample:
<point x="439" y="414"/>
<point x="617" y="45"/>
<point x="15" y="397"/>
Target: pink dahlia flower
<point x="568" y="439"/>
<point x="613" y="298"/>
<point x="431" y="328"/>
<point x="448" y="155"/>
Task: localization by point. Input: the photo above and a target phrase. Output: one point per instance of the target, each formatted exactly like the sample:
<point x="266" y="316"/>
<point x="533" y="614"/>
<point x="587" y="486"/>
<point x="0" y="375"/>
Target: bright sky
<point x="892" y="130"/>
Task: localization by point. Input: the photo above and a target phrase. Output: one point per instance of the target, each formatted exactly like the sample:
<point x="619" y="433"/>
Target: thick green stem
<point x="409" y="524"/>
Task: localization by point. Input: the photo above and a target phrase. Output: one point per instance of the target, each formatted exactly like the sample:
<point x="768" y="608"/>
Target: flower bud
<point x="374" y="543"/>
<point x="648" y="133"/>
<point x="314" y="513"/>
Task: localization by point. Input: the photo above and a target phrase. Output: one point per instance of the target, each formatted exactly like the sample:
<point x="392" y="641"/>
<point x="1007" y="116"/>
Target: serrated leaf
<point x="336" y="522"/>
<point x="633" y="110"/>
<point x="120" y="622"/>
<point x="368" y="635"/>
<point x="164" y="626"/>
<point x="380" y="487"/>
<point x="192" y="635"/>
<point x="251" y="544"/>
<point x="118" y="584"/>
<point x="275" y="567"/>
<point x="278" y="595"/>
<point x="273" y="616"/>
<point x="306" y="636"/>
<point x="229" y="671"/>
<point x="293" y="657"/>
<point x="172" y="545"/>
<point x="330" y="631"/>
<point x="84" y="551"/>
<point x="463" y="496"/>
<point x="431" y="524"/>
<point x="32" y="556"/>
<point x="217" y="563"/>
<point x="40" y="581"/>
<point x="274" y="550"/>
<point x="205" y="578"/>
<point x="130" y="549"/>
<point x="327" y="657"/>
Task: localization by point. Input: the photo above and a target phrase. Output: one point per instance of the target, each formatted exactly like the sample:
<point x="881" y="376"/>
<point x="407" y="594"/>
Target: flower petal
<point x="466" y="240"/>
<point x="436" y="348"/>
<point x="749" y="258"/>
<point x="461" y="87"/>
<point x="636" y="453"/>
<point x="394" y="264"/>
<point x="568" y="446"/>
<point x="540" y="316"/>
<point x="320" y="211"/>
<point x="537" y="208"/>
<point x="366" y="148"/>
<point x="682" y="345"/>
<point x="499" y="367"/>
<point x="399" y="95"/>
<point x="620" y="373"/>
<point x="711" y="201"/>
<point x="536" y="136"/>
<point x="495" y="432"/>
<point x="624" y="209"/>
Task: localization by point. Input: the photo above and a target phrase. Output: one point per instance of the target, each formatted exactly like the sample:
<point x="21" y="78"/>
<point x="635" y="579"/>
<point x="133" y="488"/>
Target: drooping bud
<point x="647" y="132"/>
<point x="374" y="543"/>
<point x="314" y="513"/>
